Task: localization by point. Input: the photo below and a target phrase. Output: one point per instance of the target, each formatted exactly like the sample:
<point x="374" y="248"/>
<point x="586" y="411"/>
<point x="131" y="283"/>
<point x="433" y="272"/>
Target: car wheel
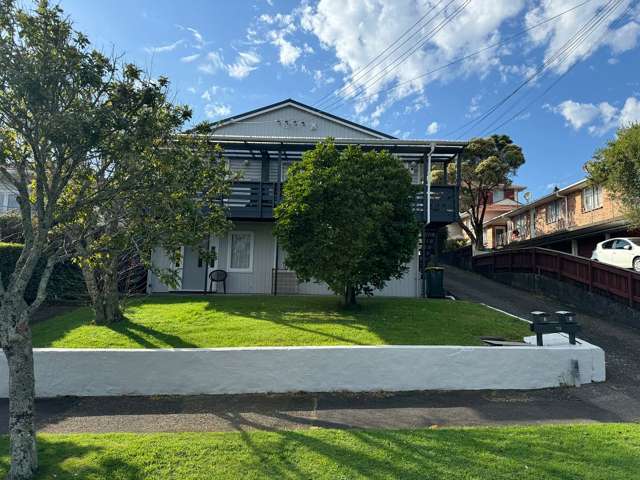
<point x="636" y="264"/>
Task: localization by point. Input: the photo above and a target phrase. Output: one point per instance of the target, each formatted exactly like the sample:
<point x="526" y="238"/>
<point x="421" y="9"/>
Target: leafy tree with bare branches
<point x="487" y="163"/>
<point x="75" y="144"/>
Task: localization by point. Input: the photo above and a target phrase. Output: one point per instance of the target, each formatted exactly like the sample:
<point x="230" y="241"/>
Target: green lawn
<point x="236" y="321"/>
<point x="584" y="452"/>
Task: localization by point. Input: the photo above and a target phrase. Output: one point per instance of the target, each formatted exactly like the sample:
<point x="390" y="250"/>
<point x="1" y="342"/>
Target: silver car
<point x="619" y="252"/>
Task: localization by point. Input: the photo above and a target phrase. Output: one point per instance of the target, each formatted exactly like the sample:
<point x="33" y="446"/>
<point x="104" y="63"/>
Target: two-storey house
<point x="261" y="145"/>
<point x="572" y="219"/>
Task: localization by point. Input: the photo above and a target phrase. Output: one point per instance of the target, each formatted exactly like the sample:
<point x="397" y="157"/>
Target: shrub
<point x="66" y="283"/>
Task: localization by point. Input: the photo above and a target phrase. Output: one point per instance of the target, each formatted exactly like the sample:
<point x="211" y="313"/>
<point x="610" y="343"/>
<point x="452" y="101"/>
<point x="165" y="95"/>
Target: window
<point x="520" y="226"/>
<point x="553" y="211"/>
<point x="240" y="258"/>
<point x="284" y="173"/>
<point x="635" y="240"/>
<point x="12" y="201"/>
<point x="591" y="198"/>
<point x="621" y="245"/>
<point x="608" y="245"/>
<point x="498" y="195"/>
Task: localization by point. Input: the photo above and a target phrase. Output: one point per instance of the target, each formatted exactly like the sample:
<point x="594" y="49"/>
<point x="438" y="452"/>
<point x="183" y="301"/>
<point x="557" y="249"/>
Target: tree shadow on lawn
<point x="394" y="321"/>
<point x="497" y="452"/>
<point x="134" y="332"/>
<point x="47" y="332"/>
<point x="53" y="453"/>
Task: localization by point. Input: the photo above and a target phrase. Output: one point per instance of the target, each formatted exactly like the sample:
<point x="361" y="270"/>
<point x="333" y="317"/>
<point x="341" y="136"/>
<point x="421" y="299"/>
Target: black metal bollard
<point x="539" y="317"/>
<point x="568" y="322"/>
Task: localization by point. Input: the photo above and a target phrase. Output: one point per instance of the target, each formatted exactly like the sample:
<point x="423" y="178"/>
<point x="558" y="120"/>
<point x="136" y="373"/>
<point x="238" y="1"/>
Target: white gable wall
<point x="292" y="121"/>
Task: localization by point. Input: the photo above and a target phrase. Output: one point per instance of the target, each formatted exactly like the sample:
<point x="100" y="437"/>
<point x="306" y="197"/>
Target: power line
<point x="380" y="75"/>
<point x="360" y="71"/>
<point x="547" y="90"/>
<point x="473" y="54"/>
<point x="569" y="46"/>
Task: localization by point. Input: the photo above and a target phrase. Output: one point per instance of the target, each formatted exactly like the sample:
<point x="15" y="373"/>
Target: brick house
<point x="572" y="219"/>
<point x="501" y="201"/>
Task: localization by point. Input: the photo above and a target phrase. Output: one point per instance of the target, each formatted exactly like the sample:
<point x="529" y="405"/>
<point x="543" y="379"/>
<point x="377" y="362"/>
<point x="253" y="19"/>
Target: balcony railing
<point x="256" y="200"/>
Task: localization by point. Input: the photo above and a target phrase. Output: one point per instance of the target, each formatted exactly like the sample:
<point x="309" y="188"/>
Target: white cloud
<point x="358" y="31"/>
<point x="206" y="96"/>
<point x="630" y="111"/>
<point x="216" y="110"/>
<point x="289" y="53"/>
<point x="212" y="64"/>
<point x="197" y="37"/>
<point x="164" y="48"/>
<point x="579" y="114"/>
<point x="625" y="38"/>
<point x="599" y="118"/>
<point x="555" y="35"/>
<point x="433" y="128"/>
<point x="190" y="58"/>
<point x="245" y="63"/>
<point x="191" y="89"/>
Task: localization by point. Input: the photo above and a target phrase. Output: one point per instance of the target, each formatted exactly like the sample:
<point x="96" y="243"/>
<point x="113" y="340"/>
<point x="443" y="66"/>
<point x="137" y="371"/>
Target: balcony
<point x="256" y="200"/>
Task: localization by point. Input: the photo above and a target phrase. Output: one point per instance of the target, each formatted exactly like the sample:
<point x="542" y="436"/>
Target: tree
<point x="617" y="168"/>
<point x="66" y="111"/>
<point x="486" y="164"/>
<point x="166" y="192"/>
<point x="346" y="219"/>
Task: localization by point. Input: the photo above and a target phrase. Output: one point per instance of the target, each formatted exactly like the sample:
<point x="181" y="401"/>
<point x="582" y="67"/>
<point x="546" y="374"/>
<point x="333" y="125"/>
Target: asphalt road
<point x="617" y="400"/>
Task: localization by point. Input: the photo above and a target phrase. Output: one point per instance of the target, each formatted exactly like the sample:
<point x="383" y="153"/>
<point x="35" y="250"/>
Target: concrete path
<point x="617" y="400"/>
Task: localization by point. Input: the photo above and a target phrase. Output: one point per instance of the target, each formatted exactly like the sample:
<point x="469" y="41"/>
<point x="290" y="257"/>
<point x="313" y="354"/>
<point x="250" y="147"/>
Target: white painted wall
<point x="90" y="372"/>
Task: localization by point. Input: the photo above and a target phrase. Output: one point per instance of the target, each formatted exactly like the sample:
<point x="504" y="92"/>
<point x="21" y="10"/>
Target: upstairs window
<point x="553" y="211"/>
<point x="591" y="198"/>
<point x="498" y="195"/>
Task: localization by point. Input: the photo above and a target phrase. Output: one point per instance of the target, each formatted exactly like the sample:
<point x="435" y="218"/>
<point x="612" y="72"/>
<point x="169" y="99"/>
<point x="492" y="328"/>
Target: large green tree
<point x="166" y="189"/>
<point x="617" y="168"/>
<point x="72" y="124"/>
<point x="346" y="219"/>
<point x="487" y="164"/>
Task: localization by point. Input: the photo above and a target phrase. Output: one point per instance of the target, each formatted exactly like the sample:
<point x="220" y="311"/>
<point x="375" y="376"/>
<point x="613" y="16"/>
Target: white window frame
<point x="555" y="205"/>
<point x="498" y="193"/>
<point x="229" y="246"/>
<point x="595" y="193"/>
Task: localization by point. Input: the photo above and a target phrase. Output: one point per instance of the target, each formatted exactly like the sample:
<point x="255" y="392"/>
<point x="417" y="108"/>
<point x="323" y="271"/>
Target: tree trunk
<point x="104" y="295"/>
<point x="350" y="296"/>
<point x="19" y="353"/>
<point x="479" y="234"/>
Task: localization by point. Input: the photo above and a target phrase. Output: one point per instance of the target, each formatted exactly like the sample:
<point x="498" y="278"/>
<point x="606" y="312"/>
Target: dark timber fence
<point x="596" y="277"/>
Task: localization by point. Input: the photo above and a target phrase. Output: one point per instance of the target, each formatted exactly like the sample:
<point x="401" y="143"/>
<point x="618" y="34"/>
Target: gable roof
<point x="307" y="108"/>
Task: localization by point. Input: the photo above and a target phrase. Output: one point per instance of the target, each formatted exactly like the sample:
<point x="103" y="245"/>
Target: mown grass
<point x="238" y="321"/>
<point x="585" y="452"/>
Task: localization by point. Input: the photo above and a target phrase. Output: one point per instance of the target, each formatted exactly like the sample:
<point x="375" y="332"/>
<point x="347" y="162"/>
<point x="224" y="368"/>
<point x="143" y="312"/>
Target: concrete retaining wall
<point x="95" y="372"/>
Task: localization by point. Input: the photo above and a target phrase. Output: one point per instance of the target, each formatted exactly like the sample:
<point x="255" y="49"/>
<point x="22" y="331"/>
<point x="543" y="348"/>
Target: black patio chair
<point x="218" y="276"/>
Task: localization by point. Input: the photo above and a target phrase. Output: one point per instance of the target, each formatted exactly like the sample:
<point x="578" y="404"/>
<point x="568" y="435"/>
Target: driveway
<point x="617" y="400"/>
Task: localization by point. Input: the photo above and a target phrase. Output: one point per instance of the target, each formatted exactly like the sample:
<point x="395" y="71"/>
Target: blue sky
<point x="227" y="57"/>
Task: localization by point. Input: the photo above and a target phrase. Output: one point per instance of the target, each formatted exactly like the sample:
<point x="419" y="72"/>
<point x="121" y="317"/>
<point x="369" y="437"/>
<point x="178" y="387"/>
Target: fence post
<point x="590" y="275"/>
<point x="558" y="265"/>
<point x="630" y="288"/>
<point x="533" y="260"/>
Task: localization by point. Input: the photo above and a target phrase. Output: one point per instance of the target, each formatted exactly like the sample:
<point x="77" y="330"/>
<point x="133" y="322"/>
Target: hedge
<point x="65" y="285"/>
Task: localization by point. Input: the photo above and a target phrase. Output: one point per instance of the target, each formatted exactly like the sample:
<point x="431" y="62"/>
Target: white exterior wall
<point x="89" y="372"/>
<point x="280" y="122"/>
<point x="259" y="280"/>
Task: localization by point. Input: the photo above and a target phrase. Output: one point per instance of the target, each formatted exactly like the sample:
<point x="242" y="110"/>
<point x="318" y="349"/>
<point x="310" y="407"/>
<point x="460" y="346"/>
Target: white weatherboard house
<point x="262" y="144"/>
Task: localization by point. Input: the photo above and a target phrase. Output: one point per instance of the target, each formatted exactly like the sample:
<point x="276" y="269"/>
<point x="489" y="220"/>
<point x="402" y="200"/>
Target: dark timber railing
<point x="256" y="200"/>
<point x="596" y="276"/>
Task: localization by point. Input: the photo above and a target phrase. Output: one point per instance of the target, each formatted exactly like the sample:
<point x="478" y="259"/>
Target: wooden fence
<point x="618" y="282"/>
